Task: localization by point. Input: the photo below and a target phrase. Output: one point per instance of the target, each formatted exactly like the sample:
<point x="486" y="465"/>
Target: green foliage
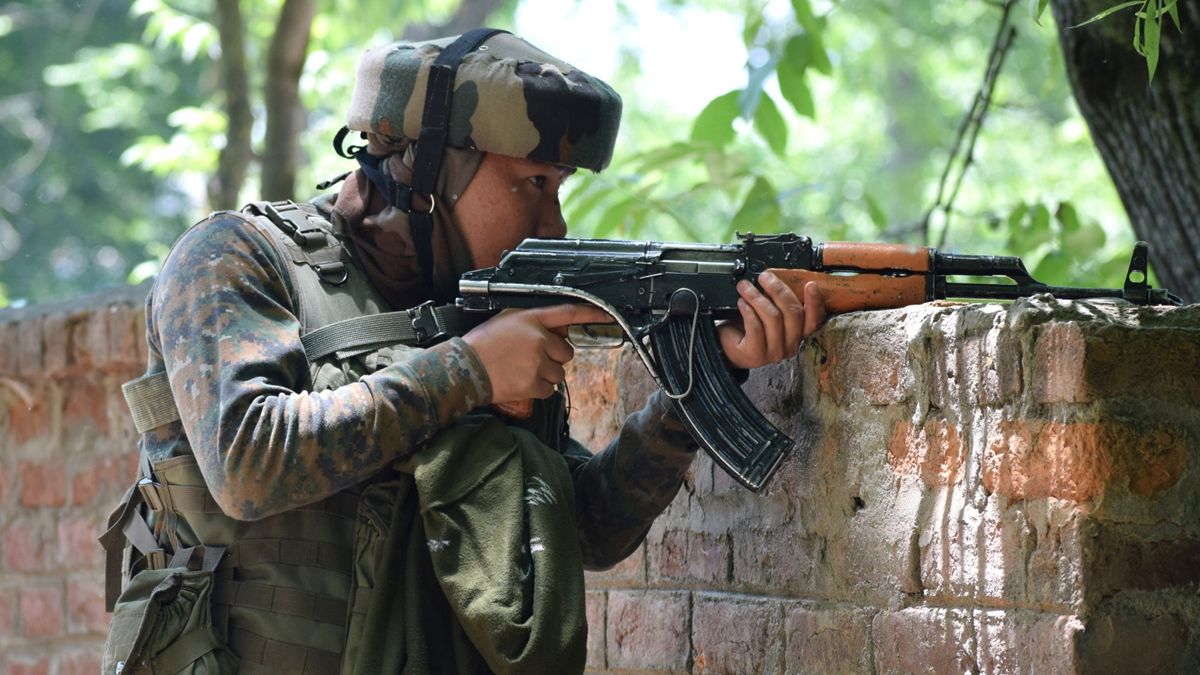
<point x="1147" y="26"/>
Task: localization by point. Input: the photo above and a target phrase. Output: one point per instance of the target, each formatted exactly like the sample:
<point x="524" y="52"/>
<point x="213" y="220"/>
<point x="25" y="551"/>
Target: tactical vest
<point x="287" y="590"/>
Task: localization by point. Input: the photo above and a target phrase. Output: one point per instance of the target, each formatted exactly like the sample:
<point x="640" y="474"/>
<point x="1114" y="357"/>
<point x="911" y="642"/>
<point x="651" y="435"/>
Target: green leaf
<point x="771" y="126"/>
<point x="1172" y="8"/>
<point x="754" y="23"/>
<point x="583" y="201"/>
<point x="1110" y="11"/>
<point x="1084" y="242"/>
<point x="804" y="15"/>
<point x="760" y="211"/>
<point x="878" y="217"/>
<point x="1037" y="8"/>
<point x="662" y="156"/>
<point x="1067" y="217"/>
<point x="714" y="124"/>
<point x="1054" y="269"/>
<point x="794" y="88"/>
<point x="614" y="220"/>
<point x="820" y="58"/>
<point x="1153" y="31"/>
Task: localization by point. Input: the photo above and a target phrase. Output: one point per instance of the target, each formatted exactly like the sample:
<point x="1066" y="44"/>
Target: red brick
<point x="923" y="640"/>
<point x="56" y="332"/>
<point x="43" y="484"/>
<point x="29" y="349"/>
<point x="24" y="547"/>
<point x="79" y="662"/>
<point x="935" y="451"/>
<point x="87" y="401"/>
<point x="1078" y="460"/>
<point x="736" y="635"/>
<point x="85" y="607"/>
<point x="679" y="555"/>
<point x="123" y="333"/>
<point x="1131" y="643"/>
<point x="596" y="604"/>
<point x="827" y="640"/>
<point x="41" y="611"/>
<point x="9" y="357"/>
<point x="1117" y="559"/>
<point x="1027" y="642"/>
<point x="8" y="609"/>
<point x="28" y="665"/>
<point x="1059" y="365"/>
<point x="77" y="544"/>
<point x="647" y="630"/>
<point x="872" y="369"/>
<point x="102" y="477"/>
<point x="3" y="484"/>
<point x="592" y="387"/>
<point x="769" y="561"/>
<point x="30" y="419"/>
<point x="630" y="571"/>
<point x="89" y="340"/>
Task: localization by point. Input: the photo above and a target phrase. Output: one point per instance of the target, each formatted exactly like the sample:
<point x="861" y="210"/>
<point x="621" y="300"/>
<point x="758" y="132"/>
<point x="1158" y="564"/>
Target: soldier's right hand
<point x="523" y="350"/>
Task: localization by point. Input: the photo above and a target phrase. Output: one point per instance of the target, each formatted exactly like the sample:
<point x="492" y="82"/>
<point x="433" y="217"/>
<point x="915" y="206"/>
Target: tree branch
<point x="285" y="112"/>
<point x="235" y="157"/>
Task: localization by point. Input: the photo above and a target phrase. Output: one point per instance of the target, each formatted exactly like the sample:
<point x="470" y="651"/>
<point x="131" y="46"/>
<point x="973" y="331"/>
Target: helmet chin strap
<point x="431" y="144"/>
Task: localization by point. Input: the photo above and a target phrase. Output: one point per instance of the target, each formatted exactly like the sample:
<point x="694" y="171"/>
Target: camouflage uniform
<point x="224" y="322"/>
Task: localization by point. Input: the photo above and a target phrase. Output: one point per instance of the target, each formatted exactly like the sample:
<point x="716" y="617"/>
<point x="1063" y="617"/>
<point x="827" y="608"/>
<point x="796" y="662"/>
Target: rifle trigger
<point x="1136" y="288"/>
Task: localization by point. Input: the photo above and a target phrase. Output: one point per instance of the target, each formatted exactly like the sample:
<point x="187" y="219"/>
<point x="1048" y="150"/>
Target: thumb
<point x="557" y="316"/>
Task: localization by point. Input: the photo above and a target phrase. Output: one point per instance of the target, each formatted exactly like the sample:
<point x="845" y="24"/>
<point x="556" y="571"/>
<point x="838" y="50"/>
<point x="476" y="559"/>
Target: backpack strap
<point x="310" y="238"/>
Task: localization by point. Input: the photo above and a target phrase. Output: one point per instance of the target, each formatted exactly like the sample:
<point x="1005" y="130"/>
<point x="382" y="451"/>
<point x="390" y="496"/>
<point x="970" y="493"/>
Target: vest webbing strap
<point x="282" y="657"/>
<point x="152" y="405"/>
<point x="281" y="600"/>
<point x="185" y="650"/>
<point x="414" y="327"/>
<point x="290" y="552"/>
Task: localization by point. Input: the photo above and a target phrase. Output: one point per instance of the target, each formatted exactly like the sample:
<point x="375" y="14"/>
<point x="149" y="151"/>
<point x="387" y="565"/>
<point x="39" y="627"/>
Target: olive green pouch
<point x="162" y="624"/>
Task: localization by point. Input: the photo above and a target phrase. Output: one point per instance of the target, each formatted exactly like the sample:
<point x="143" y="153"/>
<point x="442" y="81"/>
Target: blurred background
<point x="123" y="123"/>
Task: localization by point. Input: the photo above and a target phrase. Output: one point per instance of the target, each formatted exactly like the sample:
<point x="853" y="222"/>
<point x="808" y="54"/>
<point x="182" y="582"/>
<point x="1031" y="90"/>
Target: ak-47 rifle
<point x="667" y="296"/>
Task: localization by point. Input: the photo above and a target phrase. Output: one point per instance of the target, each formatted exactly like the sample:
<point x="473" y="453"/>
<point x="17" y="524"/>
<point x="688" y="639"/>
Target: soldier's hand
<point x="773" y="323"/>
<point x="523" y="350"/>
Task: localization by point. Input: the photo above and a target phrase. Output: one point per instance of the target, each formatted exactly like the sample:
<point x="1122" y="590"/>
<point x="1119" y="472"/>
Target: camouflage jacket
<point x="221" y="320"/>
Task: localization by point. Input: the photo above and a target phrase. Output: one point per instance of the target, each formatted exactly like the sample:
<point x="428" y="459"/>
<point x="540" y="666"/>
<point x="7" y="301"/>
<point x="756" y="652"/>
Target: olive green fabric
<point x="480" y="570"/>
<point x="163" y="624"/>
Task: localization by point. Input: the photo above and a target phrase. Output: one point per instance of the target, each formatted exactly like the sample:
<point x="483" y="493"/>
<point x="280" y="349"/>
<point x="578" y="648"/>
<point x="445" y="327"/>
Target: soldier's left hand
<point x="773" y="323"/>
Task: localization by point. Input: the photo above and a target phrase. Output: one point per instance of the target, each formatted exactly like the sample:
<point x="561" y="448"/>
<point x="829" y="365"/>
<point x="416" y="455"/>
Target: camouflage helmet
<point x="509" y="98"/>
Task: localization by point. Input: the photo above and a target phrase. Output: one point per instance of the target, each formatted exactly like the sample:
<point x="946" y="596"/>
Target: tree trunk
<point x="285" y="112"/>
<point x="1147" y="135"/>
<point x="224" y="188"/>
<point x="470" y="14"/>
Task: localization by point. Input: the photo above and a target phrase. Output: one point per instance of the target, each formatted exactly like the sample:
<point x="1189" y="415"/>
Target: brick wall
<point x="977" y="488"/>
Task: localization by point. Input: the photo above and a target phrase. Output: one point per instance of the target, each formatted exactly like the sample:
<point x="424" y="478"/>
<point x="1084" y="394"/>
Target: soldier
<point x="316" y="503"/>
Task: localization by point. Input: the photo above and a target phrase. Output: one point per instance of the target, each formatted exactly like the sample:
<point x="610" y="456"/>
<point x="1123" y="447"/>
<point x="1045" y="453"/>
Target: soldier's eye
<point x="538" y="181"/>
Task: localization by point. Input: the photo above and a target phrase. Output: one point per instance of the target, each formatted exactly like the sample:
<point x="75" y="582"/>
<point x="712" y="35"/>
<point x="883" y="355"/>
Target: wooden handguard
<point x="853" y="255"/>
<point x="860" y="291"/>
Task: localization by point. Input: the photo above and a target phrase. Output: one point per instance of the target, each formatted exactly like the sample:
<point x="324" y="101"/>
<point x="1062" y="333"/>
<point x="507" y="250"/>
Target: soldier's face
<point x="509" y="199"/>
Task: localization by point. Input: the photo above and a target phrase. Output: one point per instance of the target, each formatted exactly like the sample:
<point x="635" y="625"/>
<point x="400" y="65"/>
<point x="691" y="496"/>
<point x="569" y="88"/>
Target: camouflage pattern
<point x="510" y="98"/>
<point x="222" y="321"/>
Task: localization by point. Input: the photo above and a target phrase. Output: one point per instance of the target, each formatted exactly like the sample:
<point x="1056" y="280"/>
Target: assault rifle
<point x="666" y="296"/>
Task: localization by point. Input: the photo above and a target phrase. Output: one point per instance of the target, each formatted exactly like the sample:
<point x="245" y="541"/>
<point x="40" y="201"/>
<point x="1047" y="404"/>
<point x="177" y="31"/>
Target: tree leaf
<point x="1054" y="269"/>
<point x="714" y="124"/>
<point x="1067" y="217"/>
<point x="771" y="126"/>
<point x="878" y="217"/>
<point x="820" y="58"/>
<point x="794" y="88"/>
<point x="760" y="211"/>
<point x="1110" y="11"/>
<point x="614" y="219"/>
<point x="1153" y="30"/>
<point x="804" y="15"/>
<point x="1037" y="8"/>
<point x="583" y="201"/>
<point x="1172" y="8"/>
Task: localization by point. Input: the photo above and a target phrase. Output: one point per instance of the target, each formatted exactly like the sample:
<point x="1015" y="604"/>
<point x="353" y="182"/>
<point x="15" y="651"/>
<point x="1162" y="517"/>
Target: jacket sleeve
<point x="222" y="316"/>
<point x="621" y="490"/>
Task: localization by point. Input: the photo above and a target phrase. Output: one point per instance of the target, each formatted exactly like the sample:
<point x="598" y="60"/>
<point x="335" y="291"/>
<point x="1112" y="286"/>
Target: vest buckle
<point x="427" y="326"/>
